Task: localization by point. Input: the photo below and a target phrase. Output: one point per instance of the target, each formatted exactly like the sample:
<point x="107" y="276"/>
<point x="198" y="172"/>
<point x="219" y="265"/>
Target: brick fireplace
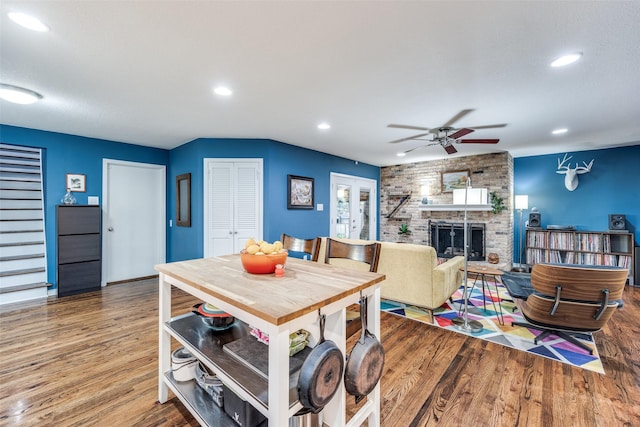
<point x="423" y="180"/>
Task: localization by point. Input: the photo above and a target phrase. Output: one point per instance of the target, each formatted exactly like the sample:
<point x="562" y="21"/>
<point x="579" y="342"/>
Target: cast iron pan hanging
<point x="365" y="363"/>
<point x="321" y="373"/>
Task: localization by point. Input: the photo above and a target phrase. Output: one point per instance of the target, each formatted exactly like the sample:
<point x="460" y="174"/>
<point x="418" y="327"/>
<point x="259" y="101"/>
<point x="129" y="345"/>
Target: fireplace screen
<point x="448" y="240"/>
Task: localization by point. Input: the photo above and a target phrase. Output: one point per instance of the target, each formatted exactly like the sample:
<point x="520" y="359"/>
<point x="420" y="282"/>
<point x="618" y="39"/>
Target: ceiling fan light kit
<point x="446" y="135"/>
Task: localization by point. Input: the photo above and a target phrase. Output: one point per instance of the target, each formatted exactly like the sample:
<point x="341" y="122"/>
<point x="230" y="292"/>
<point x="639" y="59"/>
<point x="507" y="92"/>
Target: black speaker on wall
<point x="617" y="222"/>
<point x="534" y="220"/>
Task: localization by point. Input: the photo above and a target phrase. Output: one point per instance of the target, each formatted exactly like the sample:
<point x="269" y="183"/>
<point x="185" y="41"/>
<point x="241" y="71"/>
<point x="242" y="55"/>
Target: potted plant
<point x="497" y="203"/>
<point x="403" y="230"/>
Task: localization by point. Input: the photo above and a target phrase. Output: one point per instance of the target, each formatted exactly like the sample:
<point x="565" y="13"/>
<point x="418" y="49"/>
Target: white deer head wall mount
<point x="571" y="175"/>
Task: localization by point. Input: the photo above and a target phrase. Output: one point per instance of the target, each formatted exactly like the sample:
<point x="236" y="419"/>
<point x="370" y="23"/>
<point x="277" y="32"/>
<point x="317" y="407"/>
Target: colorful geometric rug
<point x="517" y="337"/>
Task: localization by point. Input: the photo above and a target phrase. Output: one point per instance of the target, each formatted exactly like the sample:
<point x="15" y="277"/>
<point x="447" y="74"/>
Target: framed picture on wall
<point x="183" y="200"/>
<point x="77" y="182"/>
<point x="299" y="192"/>
<point x="454" y="179"/>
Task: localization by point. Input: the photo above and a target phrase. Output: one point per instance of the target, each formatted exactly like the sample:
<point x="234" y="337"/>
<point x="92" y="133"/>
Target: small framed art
<point x="77" y="182"/>
<point x="454" y="179"/>
<point x="299" y="192"/>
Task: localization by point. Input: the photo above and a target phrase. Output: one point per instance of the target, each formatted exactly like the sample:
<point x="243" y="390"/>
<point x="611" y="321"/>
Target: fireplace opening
<point x="448" y="240"/>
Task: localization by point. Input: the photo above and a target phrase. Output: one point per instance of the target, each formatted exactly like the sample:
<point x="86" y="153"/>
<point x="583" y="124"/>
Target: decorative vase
<point x="68" y="198"/>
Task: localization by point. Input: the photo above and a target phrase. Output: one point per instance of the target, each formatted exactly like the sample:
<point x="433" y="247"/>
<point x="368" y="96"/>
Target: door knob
<point x="110" y="229"/>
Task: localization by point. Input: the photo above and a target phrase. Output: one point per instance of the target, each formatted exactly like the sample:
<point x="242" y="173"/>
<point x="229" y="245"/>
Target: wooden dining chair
<point x="365" y="253"/>
<point x="310" y="247"/>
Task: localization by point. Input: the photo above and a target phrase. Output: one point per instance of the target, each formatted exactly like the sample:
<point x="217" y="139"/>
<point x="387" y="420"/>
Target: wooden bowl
<point x="262" y="264"/>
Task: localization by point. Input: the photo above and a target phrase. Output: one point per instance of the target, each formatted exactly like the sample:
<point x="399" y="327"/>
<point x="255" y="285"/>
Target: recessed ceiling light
<point x="566" y="59"/>
<point x="324" y="126"/>
<point x="559" y="131"/>
<point x="18" y="95"/>
<point x="223" y="91"/>
<point x="28" y="21"/>
<point x="402" y="154"/>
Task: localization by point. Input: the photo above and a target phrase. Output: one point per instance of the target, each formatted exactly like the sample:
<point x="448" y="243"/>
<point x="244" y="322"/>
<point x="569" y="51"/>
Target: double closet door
<point x="232" y="204"/>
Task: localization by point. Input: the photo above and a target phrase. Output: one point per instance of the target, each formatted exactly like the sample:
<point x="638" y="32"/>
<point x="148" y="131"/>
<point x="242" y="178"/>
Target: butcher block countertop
<point x="305" y="287"/>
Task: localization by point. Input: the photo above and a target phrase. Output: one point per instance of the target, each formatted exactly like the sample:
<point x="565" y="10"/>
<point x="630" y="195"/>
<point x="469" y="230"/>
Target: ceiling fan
<point x="446" y="135"/>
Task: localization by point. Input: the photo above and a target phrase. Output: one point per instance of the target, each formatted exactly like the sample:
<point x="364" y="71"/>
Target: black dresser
<point x="79" y="249"/>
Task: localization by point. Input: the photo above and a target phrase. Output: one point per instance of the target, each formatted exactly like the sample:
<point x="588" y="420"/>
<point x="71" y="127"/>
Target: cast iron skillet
<point x="365" y="362"/>
<point x="321" y="373"/>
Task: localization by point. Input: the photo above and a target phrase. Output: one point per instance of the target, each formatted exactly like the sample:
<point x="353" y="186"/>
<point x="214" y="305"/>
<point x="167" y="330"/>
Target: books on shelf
<point x="536" y="239"/>
<point x="562" y="241"/>
<point x="589" y="242"/>
<point x="580" y="247"/>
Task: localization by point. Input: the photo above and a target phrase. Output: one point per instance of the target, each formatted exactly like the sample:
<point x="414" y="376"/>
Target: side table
<point x="481" y="272"/>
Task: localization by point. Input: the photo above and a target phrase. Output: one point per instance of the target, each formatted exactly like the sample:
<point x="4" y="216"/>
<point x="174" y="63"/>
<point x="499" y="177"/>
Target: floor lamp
<point x="463" y="323"/>
<point x="522" y="203"/>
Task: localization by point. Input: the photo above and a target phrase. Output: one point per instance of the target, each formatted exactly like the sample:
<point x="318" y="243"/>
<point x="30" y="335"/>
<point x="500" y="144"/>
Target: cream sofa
<point x="413" y="275"/>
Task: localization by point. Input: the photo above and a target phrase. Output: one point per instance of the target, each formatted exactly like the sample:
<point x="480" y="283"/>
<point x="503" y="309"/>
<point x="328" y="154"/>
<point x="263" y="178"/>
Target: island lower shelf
<point x="198" y="401"/>
<point x="207" y="344"/>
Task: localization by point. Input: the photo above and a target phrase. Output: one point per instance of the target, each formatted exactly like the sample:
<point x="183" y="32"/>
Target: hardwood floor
<point x="91" y="359"/>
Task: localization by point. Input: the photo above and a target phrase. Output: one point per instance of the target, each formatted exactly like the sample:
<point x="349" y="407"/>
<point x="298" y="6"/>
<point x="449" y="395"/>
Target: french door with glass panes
<point x="353" y="207"/>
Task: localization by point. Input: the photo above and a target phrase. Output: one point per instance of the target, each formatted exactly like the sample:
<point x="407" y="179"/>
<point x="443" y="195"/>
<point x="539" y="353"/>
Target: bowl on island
<point x="262" y="264"/>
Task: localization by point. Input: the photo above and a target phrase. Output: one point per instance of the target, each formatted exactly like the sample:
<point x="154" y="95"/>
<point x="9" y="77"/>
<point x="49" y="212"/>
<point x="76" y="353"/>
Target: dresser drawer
<point x="78" y="219"/>
<point x="78" y="248"/>
<point x="79" y="277"/>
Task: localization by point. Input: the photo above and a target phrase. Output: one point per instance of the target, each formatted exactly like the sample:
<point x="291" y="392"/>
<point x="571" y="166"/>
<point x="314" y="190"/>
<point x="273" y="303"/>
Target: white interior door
<point x="353" y="207"/>
<point x="233" y="204"/>
<point x="133" y="219"/>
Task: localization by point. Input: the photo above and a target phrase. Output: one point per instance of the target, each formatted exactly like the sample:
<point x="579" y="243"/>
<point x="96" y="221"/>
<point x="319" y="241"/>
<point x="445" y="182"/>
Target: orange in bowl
<point x="262" y="264"/>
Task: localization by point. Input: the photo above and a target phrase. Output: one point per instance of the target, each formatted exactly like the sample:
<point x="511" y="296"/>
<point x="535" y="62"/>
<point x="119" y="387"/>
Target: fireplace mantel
<point x="451" y="207"/>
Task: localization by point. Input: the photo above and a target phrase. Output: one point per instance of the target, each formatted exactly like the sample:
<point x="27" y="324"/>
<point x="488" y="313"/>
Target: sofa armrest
<point x="447" y="277"/>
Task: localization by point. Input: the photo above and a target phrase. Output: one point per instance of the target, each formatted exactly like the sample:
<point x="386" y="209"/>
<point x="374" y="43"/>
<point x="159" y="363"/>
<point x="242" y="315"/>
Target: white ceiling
<point x="142" y="72"/>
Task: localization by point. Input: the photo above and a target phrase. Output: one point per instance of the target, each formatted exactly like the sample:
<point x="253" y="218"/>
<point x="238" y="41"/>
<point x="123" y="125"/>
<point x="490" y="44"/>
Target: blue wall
<point x="279" y="160"/>
<point x="64" y="154"/>
<point x="612" y="187"/>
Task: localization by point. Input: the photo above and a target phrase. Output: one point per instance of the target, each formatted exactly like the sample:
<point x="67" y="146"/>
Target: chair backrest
<point x="574" y="297"/>
<point x="368" y="253"/>
<point x="579" y="282"/>
<point x="296" y="244"/>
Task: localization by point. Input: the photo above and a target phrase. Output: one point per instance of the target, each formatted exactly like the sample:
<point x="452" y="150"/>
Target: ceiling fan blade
<point x="478" y="141"/>
<point x="394" y="125"/>
<point x="422" y="146"/>
<point x="501" y="125"/>
<point x="460" y="133"/>
<point x="408" y="138"/>
<point x="457" y="117"/>
<point x="450" y="149"/>
<point x="411" y="149"/>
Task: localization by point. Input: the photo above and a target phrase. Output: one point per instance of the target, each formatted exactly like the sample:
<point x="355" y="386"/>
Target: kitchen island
<point x="275" y="305"/>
